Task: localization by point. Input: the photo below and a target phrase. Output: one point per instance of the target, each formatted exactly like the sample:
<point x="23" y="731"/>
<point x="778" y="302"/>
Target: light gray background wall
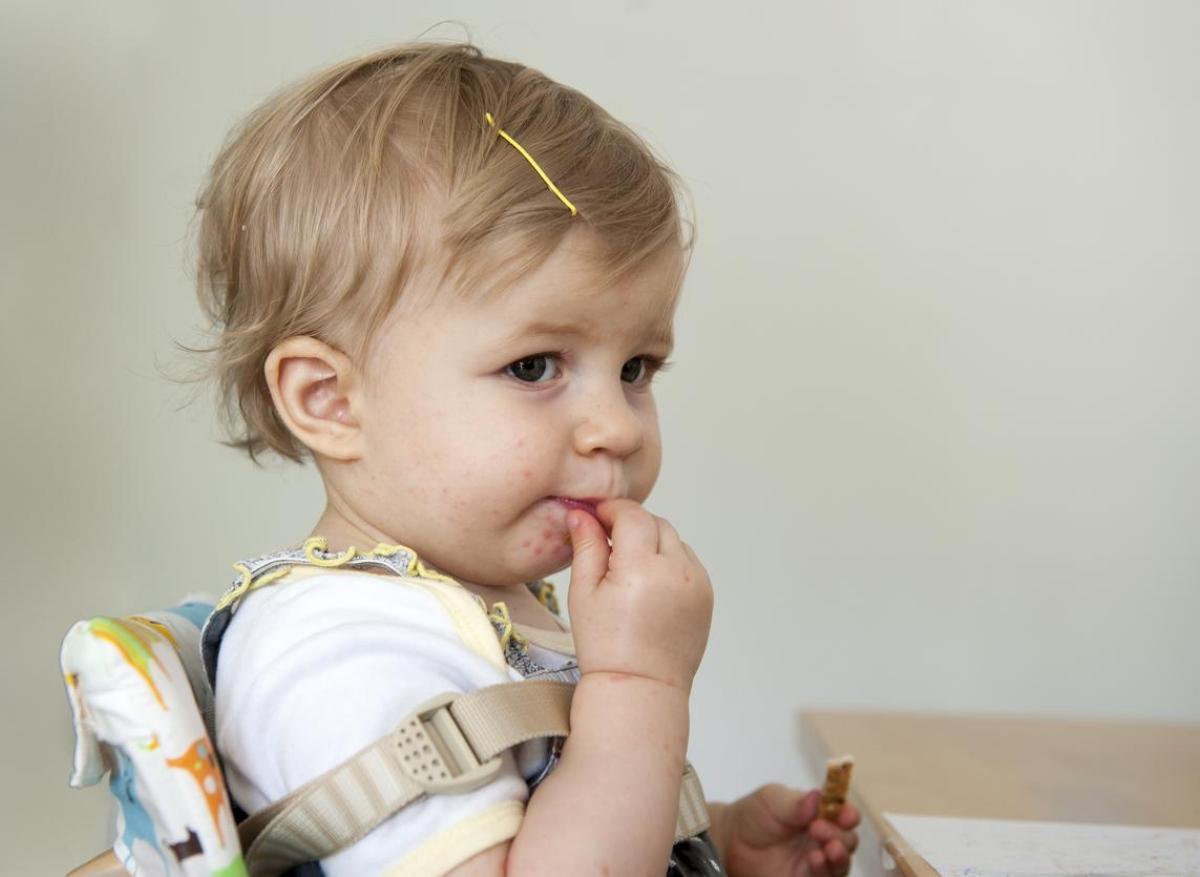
<point x="934" y="423"/>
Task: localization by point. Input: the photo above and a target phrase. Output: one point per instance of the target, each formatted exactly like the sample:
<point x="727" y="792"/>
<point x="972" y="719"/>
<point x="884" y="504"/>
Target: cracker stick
<point x="837" y="786"/>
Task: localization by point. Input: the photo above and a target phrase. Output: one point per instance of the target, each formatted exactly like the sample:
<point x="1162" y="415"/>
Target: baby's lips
<point x="587" y="505"/>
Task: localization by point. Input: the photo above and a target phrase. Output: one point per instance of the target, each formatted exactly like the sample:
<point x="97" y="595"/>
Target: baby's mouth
<point x="588" y="505"/>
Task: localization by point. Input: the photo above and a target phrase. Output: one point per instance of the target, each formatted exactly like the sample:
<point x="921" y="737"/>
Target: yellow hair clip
<point x="529" y="158"/>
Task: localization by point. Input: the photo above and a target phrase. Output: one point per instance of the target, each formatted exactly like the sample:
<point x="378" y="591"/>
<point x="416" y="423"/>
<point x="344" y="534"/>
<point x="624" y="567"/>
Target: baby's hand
<point x="776" y="830"/>
<point x="642" y="607"/>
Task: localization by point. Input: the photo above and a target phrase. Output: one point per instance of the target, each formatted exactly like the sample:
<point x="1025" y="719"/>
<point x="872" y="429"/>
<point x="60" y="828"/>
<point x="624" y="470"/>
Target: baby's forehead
<point x="590" y="326"/>
<point x="589" y="305"/>
<point x="574" y="288"/>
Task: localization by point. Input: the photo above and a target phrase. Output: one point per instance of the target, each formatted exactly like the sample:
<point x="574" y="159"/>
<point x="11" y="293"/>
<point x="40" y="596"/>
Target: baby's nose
<point x="610" y="425"/>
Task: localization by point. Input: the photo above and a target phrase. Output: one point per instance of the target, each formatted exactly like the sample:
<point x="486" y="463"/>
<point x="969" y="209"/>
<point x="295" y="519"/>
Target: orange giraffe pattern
<point x="198" y="760"/>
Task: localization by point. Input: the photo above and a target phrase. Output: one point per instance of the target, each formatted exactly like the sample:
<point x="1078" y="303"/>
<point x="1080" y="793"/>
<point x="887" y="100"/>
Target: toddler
<point x="450" y="281"/>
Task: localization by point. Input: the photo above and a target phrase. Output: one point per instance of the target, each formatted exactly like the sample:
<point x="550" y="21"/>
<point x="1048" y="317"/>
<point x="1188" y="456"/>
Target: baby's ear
<point x="315" y="389"/>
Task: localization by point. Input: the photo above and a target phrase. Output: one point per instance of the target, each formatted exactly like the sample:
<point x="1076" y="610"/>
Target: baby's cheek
<point x="547" y="537"/>
<point x="647" y="472"/>
<point x="539" y="545"/>
<point x="554" y="543"/>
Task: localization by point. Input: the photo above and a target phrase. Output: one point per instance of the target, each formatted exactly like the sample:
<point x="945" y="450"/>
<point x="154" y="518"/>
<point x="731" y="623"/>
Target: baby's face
<point x="487" y="420"/>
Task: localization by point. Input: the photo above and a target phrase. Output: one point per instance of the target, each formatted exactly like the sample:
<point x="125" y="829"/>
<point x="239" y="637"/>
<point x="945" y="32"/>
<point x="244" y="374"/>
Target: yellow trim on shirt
<point x="469" y="620"/>
<point x="461" y="841"/>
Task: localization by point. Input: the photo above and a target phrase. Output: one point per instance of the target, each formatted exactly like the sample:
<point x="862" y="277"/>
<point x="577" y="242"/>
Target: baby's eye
<point x="535" y="369"/>
<point x="639" y="369"/>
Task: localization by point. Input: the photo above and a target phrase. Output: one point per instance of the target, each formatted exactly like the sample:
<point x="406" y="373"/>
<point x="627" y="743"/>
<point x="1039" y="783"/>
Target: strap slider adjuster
<point x="436" y="753"/>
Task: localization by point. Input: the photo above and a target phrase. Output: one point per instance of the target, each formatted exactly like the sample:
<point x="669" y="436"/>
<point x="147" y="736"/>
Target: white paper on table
<point x="1010" y="848"/>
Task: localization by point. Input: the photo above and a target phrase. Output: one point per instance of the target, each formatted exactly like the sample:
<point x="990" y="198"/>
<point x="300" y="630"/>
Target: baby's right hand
<point x="642" y="607"/>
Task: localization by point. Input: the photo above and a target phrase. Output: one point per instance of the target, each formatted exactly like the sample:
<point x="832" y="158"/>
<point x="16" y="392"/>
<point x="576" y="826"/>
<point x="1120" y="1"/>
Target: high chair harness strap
<point x="451" y="744"/>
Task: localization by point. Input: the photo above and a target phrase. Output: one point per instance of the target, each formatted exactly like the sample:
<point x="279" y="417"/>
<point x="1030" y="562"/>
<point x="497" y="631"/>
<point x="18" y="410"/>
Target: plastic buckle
<point x="464" y="771"/>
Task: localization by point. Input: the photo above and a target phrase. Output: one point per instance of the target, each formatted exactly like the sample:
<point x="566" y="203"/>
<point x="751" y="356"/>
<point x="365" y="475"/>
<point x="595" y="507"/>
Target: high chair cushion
<point x="140" y="702"/>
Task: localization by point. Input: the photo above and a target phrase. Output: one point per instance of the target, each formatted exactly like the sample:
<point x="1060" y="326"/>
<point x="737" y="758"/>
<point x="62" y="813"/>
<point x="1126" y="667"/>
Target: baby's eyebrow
<point x="548" y="327"/>
<point x="661" y="335"/>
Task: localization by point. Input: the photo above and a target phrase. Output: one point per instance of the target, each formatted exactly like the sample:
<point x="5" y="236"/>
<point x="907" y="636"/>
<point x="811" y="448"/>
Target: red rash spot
<point x="524" y="543"/>
<point x="546" y="534"/>
<point x="526" y="474"/>
<point x="537" y="550"/>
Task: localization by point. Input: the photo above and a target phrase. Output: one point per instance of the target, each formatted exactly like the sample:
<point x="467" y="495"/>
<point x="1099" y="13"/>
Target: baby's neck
<point x="340" y="533"/>
<point x="523" y="606"/>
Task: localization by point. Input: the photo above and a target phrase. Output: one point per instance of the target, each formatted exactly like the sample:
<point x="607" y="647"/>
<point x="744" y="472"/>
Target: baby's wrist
<point x="615" y="692"/>
<point x="664" y="681"/>
<point x="619" y="711"/>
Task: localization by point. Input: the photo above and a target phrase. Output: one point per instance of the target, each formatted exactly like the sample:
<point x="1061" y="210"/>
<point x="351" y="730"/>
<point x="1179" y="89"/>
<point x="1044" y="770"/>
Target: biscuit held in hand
<point x="642" y="607"/>
<point x="837" y="785"/>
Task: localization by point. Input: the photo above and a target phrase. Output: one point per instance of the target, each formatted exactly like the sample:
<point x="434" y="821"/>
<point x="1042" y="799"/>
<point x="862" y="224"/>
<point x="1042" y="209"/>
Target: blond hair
<point x="328" y="198"/>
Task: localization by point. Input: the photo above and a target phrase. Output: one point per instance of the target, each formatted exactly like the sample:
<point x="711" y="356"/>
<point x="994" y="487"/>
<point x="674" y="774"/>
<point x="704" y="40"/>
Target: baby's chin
<point x="539" y="566"/>
<point x="550" y="570"/>
<point x="518" y="569"/>
<point x="540" y="547"/>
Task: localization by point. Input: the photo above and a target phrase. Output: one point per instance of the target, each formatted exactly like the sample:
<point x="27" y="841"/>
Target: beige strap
<point x="693" y="809"/>
<point x="450" y="745"/>
<point x="427" y="754"/>
<point x="499" y="717"/>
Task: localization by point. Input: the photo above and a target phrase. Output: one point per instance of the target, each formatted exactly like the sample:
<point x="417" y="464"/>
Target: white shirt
<point x="315" y="669"/>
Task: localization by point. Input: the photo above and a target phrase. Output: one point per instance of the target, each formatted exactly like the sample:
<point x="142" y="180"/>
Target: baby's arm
<point x="609" y="807"/>
<point x="640" y="614"/>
